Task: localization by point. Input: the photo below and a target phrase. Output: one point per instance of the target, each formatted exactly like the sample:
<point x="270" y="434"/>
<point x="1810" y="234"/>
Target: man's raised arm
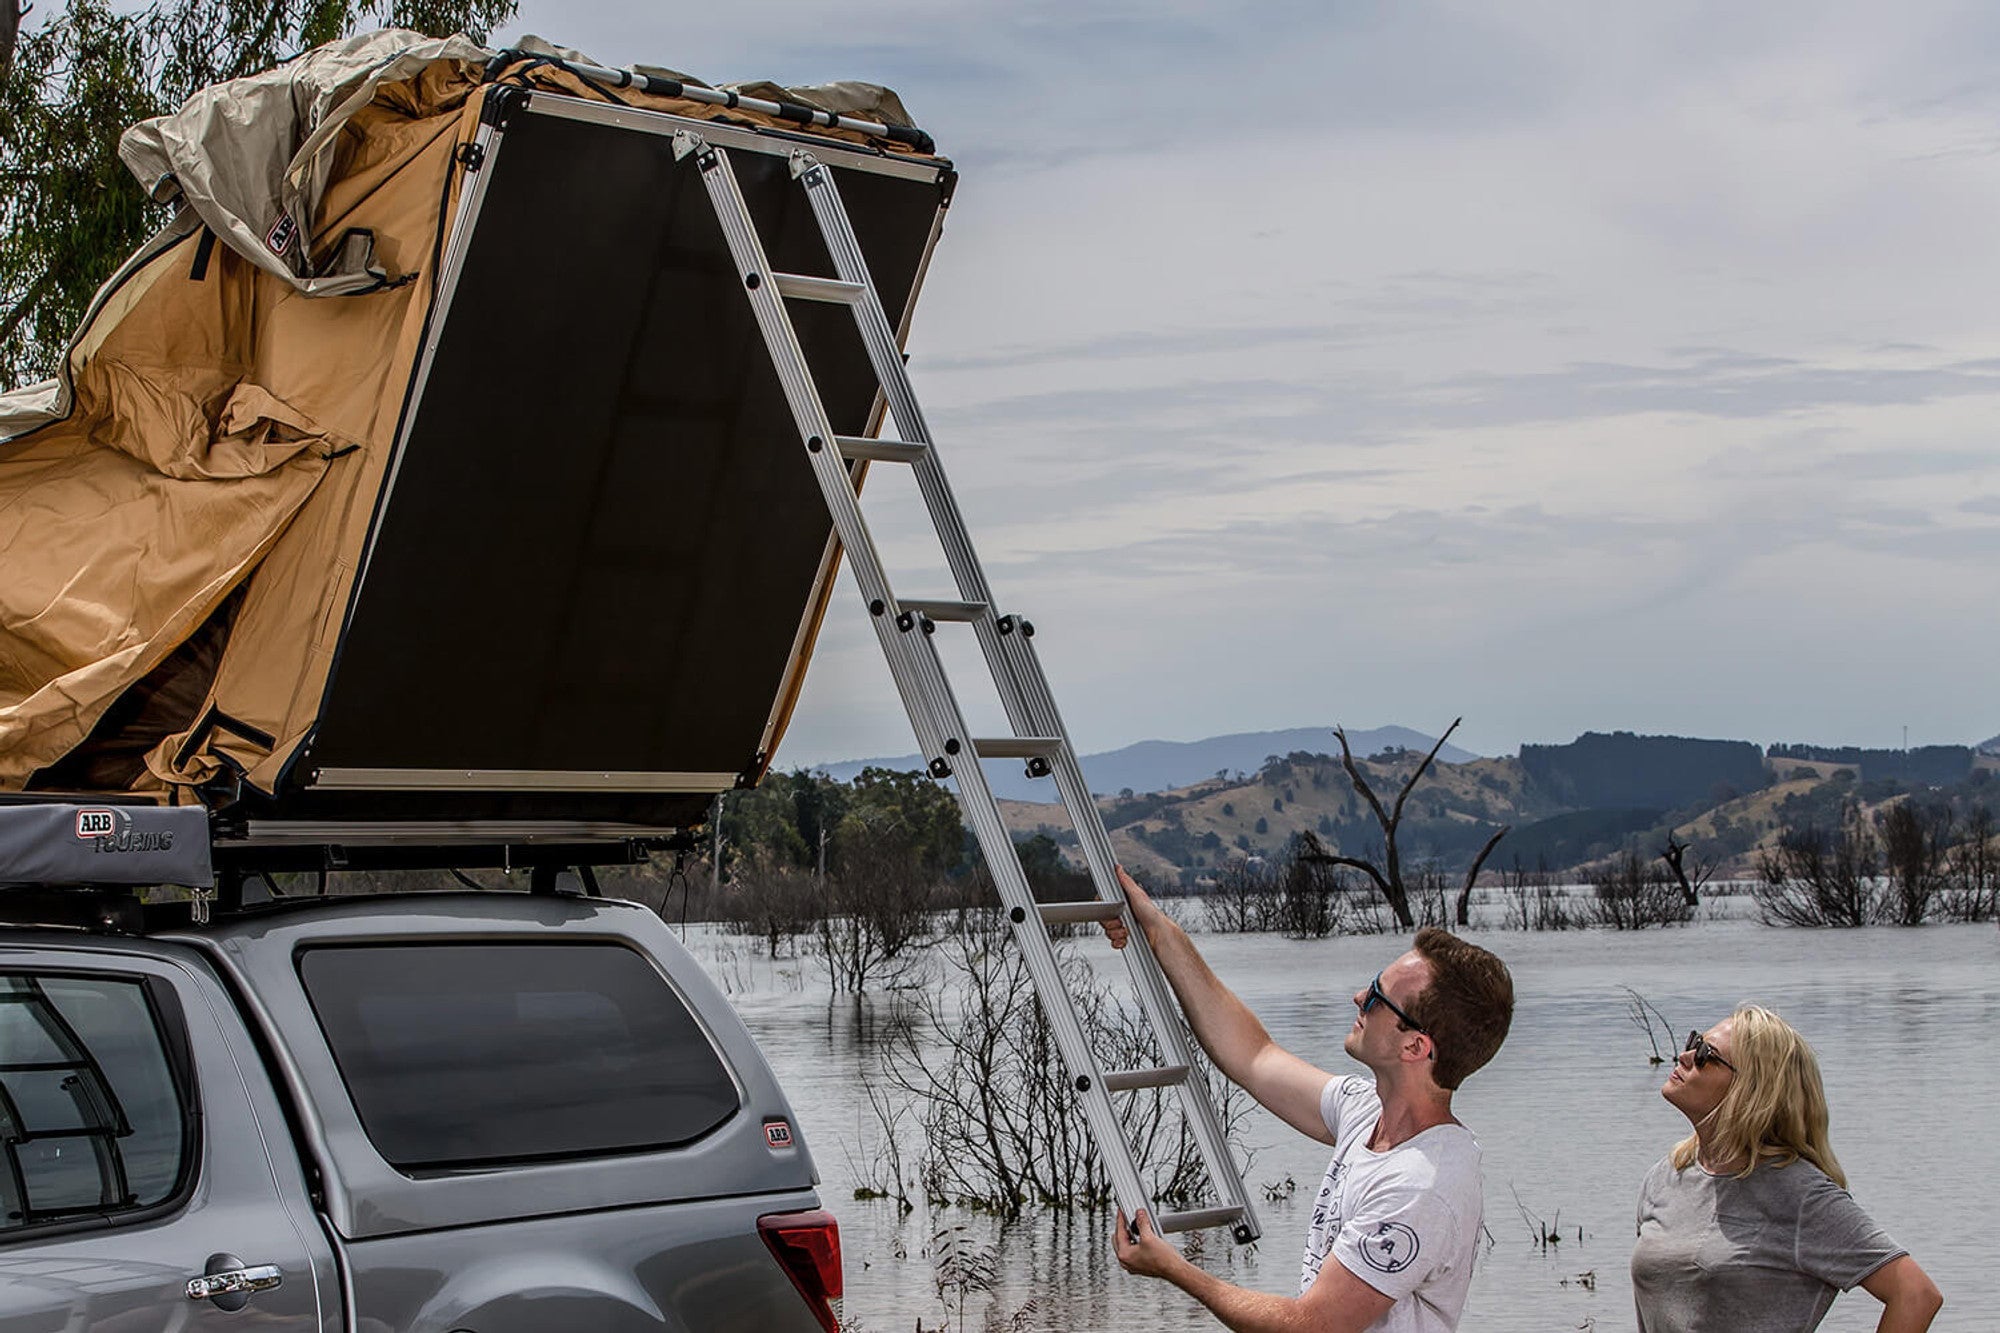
<point x="1287" y="1086"/>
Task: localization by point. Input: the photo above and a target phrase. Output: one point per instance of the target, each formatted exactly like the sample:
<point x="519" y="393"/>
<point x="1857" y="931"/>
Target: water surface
<point x="1569" y="1116"/>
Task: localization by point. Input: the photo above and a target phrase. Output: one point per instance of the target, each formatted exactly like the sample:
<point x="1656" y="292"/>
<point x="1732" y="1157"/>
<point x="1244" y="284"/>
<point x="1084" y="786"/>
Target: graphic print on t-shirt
<point x="1392" y="1248"/>
<point x="1326" y="1221"/>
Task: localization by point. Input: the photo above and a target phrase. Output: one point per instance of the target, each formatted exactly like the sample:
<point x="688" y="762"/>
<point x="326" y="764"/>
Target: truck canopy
<point x="427" y="466"/>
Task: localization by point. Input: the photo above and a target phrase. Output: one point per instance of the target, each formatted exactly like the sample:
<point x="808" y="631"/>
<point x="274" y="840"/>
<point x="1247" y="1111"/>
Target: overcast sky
<point x="1567" y="366"/>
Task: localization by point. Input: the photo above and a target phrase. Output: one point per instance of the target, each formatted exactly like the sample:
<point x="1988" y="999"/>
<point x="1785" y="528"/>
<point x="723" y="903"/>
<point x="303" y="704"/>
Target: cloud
<point x="1580" y="363"/>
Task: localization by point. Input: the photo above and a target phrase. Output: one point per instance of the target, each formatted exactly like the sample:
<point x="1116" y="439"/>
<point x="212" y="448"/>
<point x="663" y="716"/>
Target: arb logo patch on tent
<point x="279" y="238"/>
<point x="95" y="822"/>
<point x="778" y="1133"/>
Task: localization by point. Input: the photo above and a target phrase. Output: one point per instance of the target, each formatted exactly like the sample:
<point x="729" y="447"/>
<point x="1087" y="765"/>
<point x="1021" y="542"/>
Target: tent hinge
<point x="501" y="104"/>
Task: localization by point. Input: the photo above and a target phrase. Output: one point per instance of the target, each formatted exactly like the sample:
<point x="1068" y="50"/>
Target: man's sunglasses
<point x="1377" y="996"/>
<point x="1704" y="1052"/>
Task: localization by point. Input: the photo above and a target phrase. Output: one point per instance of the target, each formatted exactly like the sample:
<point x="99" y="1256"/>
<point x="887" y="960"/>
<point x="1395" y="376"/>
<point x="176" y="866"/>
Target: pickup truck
<point x="484" y="1111"/>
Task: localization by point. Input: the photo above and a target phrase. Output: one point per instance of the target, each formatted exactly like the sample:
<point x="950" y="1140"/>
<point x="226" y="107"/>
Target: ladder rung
<point x="1196" y="1218"/>
<point x="878" y="451"/>
<point x="801" y="287"/>
<point x="960" y="611"/>
<point x="1125" y="1080"/>
<point x="1017" y="747"/>
<point x="1064" y="913"/>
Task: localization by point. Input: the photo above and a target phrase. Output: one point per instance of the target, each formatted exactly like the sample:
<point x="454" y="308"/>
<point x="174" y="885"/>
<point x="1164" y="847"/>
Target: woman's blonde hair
<point x="1775" y="1110"/>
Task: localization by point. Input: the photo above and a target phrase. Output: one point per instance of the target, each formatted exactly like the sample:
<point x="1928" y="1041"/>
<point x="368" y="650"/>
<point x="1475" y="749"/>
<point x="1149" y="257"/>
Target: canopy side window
<point x="484" y="1054"/>
<point x="96" y="1114"/>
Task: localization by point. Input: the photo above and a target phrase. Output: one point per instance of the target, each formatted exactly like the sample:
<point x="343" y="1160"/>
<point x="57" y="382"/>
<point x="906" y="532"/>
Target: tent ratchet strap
<point x="796" y="112"/>
<point x="905" y="628"/>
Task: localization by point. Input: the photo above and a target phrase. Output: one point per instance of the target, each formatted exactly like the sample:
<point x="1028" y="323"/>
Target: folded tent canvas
<point x="428" y="469"/>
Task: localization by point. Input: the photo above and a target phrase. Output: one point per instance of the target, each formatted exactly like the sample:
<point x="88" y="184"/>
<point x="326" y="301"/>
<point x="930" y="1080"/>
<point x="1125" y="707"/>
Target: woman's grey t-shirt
<point x="1766" y="1253"/>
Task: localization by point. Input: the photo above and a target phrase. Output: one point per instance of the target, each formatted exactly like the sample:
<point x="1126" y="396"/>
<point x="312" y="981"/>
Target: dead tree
<point x="1675" y="855"/>
<point x="1388" y="876"/>
<point x="1472" y="874"/>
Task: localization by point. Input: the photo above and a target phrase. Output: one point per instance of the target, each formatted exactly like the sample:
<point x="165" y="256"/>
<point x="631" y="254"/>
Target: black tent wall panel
<point x="602" y="533"/>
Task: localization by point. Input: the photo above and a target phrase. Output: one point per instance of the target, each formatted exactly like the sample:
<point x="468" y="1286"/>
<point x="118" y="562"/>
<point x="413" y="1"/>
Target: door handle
<point x="234" y="1282"/>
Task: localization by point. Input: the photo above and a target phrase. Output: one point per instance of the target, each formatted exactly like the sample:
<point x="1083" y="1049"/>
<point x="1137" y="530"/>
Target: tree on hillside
<point x="898" y="839"/>
<point x="1388" y="877"/>
<point x="69" y="211"/>
<point x="913" y="810"/>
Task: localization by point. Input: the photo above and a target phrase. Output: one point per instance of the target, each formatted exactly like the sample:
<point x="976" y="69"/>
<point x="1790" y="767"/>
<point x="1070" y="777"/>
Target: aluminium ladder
<point x="904" y="626"/>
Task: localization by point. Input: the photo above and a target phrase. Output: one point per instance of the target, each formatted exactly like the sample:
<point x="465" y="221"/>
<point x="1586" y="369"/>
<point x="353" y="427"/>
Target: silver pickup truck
<point x="479" y="1111"/>
<point x="509" y="553"/>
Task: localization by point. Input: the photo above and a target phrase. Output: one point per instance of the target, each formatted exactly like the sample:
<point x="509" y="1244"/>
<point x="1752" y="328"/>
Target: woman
<point x="1746" y="1225"/>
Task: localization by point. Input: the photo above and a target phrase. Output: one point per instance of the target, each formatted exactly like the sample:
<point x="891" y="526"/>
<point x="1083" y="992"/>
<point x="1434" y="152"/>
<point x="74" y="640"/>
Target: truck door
<point x="147" y="1180"/>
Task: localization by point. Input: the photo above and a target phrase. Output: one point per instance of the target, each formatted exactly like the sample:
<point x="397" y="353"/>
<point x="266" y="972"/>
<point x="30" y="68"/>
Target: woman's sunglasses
<point x="1704" y="1052"/>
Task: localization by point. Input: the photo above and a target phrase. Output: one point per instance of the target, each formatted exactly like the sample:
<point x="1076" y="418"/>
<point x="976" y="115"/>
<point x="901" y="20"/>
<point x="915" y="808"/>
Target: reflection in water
<point x="1569" y="1116"/>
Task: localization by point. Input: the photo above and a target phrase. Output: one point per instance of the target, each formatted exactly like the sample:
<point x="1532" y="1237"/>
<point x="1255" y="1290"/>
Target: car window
<point x="93" y="1122"/>
<point x="478" y="1053"/>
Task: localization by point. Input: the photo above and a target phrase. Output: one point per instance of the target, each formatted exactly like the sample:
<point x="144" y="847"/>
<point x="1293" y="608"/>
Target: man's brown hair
<point x="1467" y="1007"/>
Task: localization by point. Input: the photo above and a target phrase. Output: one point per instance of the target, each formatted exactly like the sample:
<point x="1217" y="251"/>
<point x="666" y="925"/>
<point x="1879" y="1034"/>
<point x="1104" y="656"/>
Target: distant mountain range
<point x="1152" y="766"/>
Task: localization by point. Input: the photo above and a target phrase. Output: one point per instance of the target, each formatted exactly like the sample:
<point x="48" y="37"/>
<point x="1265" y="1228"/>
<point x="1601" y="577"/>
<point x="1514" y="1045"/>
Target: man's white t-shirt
<point x="1405" y="1221"/>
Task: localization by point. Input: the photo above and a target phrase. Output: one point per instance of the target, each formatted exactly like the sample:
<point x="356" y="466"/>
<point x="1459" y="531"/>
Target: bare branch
<point x="1360" y="783"/>
<point x="1486" y="851"/>
<point x="1472" y="875"/>
<point x="1331" y="859"/>
<point x="1417" y="776"/>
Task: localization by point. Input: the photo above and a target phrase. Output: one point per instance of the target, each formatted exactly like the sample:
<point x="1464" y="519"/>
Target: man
<point x="1398" y="1217"/>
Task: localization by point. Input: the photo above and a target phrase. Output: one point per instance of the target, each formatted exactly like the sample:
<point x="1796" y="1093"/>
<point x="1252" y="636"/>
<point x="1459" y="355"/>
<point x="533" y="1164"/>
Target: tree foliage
<point x="69" y="211"/>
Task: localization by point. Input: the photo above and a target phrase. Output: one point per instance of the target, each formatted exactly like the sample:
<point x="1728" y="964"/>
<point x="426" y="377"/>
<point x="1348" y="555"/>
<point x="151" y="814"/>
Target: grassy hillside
<point x="1188" y="833"/>
<point x="1194" y="829"/>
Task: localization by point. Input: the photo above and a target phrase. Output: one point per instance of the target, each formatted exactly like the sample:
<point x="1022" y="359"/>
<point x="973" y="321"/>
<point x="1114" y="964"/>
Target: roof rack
<point x="78" y="860"/>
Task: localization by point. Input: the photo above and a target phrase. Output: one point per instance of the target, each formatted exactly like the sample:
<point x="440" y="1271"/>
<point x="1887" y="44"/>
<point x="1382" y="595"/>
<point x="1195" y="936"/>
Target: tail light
<point x="808" y="1246"/>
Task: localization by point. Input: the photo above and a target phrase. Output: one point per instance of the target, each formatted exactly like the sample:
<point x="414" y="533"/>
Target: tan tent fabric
<point x="220" y="425"/>
<point x="229" y="409"/>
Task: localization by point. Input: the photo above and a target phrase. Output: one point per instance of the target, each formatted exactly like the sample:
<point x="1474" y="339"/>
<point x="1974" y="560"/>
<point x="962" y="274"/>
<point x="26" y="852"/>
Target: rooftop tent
<point x="428" y="470"/>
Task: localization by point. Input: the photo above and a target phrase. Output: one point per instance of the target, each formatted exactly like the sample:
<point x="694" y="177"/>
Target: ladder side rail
<point x="1052" y="989"/>
<point x="975" y="797"/>
<point x="809" y="415"/>
<point x="1156" y="997"/>
<point x="1024" y="690"/>
<point x="885" y="354"/>
<point x="1149" y="981"/>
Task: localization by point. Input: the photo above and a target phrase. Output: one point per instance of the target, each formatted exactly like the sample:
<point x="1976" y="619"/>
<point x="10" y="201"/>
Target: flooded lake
<point x="1569" y="1116"/>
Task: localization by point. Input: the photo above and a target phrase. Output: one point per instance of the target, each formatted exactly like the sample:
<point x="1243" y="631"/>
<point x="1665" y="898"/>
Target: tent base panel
<point x="239" y="861"/>
<point x="552" y="809"/>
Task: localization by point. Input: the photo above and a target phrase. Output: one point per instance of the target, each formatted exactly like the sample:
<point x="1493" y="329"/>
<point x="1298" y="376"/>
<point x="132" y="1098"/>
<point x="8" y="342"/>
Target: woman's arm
<point x="1910" y="1300"/>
